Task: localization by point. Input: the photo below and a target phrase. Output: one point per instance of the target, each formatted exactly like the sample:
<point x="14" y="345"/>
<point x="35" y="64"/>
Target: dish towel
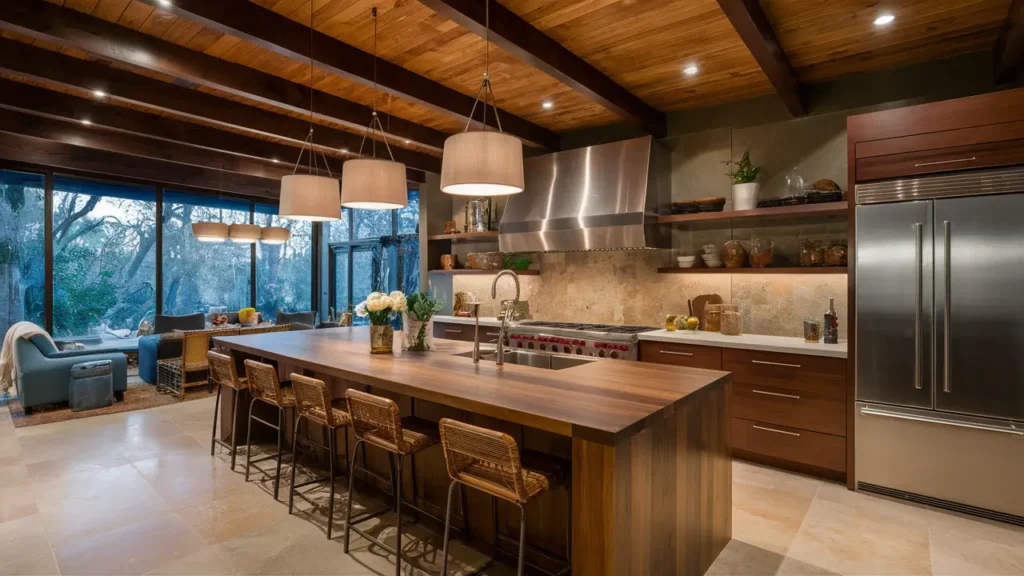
<point x="8" y="361"/>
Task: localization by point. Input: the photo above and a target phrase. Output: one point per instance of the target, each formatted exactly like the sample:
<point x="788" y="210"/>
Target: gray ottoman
<point x="92" y="385"/>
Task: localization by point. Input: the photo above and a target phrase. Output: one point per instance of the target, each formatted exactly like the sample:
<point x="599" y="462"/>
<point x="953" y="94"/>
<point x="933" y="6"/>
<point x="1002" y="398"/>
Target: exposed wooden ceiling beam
<point x="40" y="19"/>
<point x="753" y="27"/>
<point x="43" y="152"/>
<point x="282" y="35"/>
<point x="1008" y="53"/>
<point x="42" y="102"/>
<point x="540" y="51"/>
<point x="53" y="67"/>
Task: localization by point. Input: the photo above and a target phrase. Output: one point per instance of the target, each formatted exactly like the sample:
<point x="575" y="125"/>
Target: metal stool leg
<point x="234" y="426"/>
<point x="291" y="484"/>
<point x="248" y="441"/>
<point x="447" y="526"/>
<point x="216" y="411"/>
<point x="333" y="443"/>
<point x="280" y="439"/>
<point x="394" y="486"/>
<point x="348" y="467"/>
<point x="351" y="477"/>
<point x="398" y="513"/>
<point x="522" y="539"/>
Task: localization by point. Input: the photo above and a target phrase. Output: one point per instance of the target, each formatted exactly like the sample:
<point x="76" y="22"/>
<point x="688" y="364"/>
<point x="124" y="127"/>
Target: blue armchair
<point x="154" y="347"/>
<point x="44" y="374"/>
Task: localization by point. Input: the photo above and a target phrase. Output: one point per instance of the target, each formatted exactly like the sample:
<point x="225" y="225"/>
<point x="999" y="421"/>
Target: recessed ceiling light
<point x="408" y="141"/>
<point x="691" y="70"/>
<point x="99" y="93"/>
<point x="165" y="3"/>
<point x="344" y="150"/>
<point x="87" y="122"/>
<point x="884" y="20"/>
<point x="548" y="105"/>
<point x="275" y="160"/>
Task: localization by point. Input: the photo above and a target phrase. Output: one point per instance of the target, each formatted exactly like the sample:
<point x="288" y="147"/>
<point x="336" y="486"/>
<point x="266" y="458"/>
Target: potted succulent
<point x="420" y="308"/>
<point x="744" y="183"/>
<point x="381" y="309"/>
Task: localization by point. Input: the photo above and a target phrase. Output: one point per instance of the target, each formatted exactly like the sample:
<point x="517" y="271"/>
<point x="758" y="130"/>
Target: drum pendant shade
<point x="244" y="233"/>
<point x="373" y="184"/>
<point x="274" y="235"/>
<point x="210" y="231"/>
<point x="482" y="164"/>
<point x="310" y="197"/>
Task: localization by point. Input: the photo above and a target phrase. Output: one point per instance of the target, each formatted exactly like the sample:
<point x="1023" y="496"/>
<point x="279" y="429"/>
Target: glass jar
<point x="734" y="255"/>
<point x="795" y="184"/>
<point x="812" y="330"/>
<point x="836" y="253"/>
<point x="761" y="252"/>
<point x="812" y="253"/>
<point x="731" y="322"/>
<point x="713" y="318"/>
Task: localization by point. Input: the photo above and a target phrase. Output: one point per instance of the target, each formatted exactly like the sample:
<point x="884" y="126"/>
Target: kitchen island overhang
<point x="650" y="443"/>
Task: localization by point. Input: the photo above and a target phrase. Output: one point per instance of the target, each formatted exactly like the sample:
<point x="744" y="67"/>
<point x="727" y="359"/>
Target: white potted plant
<point x="744" y="183"/>
<point x="419" y="327"/>
<point x="381" y="309"/>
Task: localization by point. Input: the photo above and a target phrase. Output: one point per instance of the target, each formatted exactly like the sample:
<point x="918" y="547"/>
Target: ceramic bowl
<point x="712" y="261"/>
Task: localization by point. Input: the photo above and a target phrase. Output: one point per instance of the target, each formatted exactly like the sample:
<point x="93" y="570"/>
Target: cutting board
<point x="703" y="300"/>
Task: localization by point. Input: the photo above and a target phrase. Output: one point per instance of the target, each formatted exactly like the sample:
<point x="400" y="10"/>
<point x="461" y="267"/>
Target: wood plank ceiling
<point x="642" y="45"/>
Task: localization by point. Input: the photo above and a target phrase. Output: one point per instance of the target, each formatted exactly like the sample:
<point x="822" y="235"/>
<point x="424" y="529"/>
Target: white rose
<point x="361" y="310"/>
<point x="398" y="301"/>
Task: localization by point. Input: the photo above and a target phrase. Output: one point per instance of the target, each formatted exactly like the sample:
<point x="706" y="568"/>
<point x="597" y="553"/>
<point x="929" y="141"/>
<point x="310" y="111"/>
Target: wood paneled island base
<point x="649" y="444"/>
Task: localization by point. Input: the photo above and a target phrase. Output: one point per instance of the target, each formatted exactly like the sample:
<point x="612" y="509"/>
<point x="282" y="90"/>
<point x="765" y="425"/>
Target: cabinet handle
<point x="918" y="290"/>
<point x="947" y="315"/>
<point x="452" y="331"/>
<point x="671" y="353"/>
<point x="787" y="433"/>
<point x="775" y="363"/>
<point x="779" y="394"/>
<point x="937" y="162"/>
<point x="491" y="333"/>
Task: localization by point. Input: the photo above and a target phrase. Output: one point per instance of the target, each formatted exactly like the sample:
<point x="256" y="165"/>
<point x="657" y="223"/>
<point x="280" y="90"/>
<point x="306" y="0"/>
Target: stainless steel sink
<point x="535" y="359"/>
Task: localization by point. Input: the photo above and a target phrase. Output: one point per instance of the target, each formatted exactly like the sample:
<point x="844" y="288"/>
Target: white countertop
<point x="784" y="344"/>
<point x="484" y="320"/>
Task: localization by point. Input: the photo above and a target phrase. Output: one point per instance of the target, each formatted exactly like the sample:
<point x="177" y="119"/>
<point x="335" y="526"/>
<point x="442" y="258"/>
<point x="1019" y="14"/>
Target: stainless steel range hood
<point x="604" y="197"/>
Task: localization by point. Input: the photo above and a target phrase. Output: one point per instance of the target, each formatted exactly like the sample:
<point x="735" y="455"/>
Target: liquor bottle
<point x="831" y="323"/>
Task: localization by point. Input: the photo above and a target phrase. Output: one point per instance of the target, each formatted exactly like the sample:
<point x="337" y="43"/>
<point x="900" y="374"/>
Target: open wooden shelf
<point x="789" y="270"/>
<point x="778" y="212"/>
<point x="466" y="236"/>
<point x="468" y="271"/>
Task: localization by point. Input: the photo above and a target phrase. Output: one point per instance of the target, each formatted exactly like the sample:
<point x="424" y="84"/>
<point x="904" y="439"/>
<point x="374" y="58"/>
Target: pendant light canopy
<point x="244" y="233"/>
<point x="210" y="231"/>
<point x="274" y="235"/>
<point x="483" y="163"/>
<point x="310" y="196"/>
<point x="372" y="183"/>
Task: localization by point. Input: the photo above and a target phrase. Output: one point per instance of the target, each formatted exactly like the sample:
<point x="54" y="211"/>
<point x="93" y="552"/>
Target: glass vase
<point x="417" y="335"/>
<point x="381" y="338"/>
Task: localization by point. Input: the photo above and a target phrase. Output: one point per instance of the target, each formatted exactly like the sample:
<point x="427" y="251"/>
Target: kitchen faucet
<point x="508" y="309"/>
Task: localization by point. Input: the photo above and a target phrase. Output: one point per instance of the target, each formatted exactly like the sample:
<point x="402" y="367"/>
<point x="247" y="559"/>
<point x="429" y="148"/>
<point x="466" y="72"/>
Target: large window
<point x="22" y="275"/>
<point x="374" y="250"/>
<point x="198" y="275"/>
<point x="284" y="272"/>
<point x="104" y="267"/>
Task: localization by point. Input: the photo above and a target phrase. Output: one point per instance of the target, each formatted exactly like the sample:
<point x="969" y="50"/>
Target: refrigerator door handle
<point x="1007" y="429"/>
<point x="947" y="312"/>
<point x="918" y="300"/>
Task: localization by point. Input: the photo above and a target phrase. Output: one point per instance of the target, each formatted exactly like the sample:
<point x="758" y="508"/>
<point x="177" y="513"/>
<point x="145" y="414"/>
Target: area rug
<point x="139" y="396"/>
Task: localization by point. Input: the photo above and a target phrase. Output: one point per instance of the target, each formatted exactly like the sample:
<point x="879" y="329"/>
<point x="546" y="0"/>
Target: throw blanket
<point x="8" y="366"/>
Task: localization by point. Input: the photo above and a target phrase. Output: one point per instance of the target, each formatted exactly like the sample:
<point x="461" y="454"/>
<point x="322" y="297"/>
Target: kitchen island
<point x="649" y="444"/>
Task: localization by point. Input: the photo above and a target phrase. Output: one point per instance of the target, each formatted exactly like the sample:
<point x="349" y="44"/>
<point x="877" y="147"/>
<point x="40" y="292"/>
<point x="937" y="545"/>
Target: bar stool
<point x="377" y="421"/>
<point x="266" y="388"/>
<point x="222" y="372"/>
<point x="313" y="402"/>
<point x="490" y="462"/>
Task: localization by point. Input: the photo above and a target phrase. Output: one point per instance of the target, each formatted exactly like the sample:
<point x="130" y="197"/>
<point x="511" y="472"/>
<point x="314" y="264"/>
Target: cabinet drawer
<point x="785" y="443"/>
<point x="796" y="409"/>
<point x="989" y="154"/>
<point x="708" y="357"/>
<point x="464" y="332"/>
<point x="793" y="373"/>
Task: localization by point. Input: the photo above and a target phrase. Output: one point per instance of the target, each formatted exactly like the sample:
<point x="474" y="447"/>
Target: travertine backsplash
<point x="625" y="288"/>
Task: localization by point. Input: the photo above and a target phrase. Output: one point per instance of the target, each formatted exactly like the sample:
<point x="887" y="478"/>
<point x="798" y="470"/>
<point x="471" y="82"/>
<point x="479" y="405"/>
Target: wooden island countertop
<point x="603" y="401"/>
<point x="650" y="487"/>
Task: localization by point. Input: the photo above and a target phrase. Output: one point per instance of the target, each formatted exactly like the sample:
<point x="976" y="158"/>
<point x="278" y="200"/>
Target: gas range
<point x="598" y="340"/>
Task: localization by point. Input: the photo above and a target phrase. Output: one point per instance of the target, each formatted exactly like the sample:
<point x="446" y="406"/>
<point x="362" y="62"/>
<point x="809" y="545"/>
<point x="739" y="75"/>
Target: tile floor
<point x="138" y="493"/>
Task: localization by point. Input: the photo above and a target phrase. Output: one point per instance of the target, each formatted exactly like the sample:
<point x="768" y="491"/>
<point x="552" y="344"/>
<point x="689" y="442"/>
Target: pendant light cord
<point x="313" y="165"/>
<point x="485" y="86"/>
<point x="375" y="124"/>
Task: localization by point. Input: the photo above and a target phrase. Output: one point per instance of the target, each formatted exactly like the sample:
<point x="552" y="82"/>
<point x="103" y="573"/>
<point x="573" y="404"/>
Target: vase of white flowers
<point x="381" y="309"/>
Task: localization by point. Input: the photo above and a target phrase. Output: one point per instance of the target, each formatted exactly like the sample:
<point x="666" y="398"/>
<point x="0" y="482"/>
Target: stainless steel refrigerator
<point x="940" y="340"/>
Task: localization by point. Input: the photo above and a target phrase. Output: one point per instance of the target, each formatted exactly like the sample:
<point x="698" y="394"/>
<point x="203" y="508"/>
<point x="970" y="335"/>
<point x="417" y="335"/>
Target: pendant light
<point x="372" y="183"/>
<point x="310" y="196"/>
<point x="210" y="232"/>
<point x="274" y="235"/>
<point x="483" y="163"/>
<point x="244" y="233"/>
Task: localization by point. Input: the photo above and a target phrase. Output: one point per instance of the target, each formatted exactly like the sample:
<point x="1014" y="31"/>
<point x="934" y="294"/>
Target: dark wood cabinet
<point x="916" y="163"/>
<point x="464" y="332"/>
<point x="789" y="410"/>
